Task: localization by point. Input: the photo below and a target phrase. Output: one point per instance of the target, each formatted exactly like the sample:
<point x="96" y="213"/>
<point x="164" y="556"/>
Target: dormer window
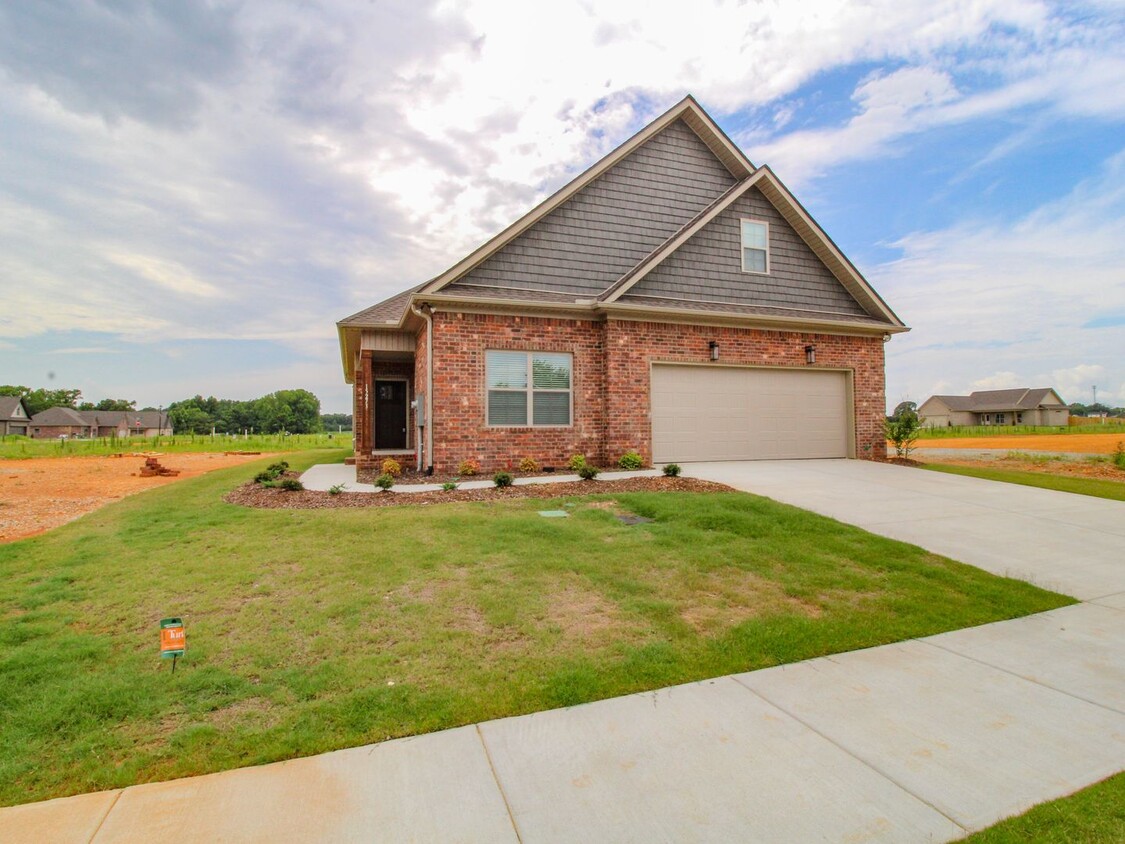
<point x="755" y="246"/>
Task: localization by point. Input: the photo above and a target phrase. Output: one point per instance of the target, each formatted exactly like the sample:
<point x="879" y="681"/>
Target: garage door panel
<point x="733" y="413"/>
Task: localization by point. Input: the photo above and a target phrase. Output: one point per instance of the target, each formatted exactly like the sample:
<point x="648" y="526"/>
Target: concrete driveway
<point x="1074" y="544"/>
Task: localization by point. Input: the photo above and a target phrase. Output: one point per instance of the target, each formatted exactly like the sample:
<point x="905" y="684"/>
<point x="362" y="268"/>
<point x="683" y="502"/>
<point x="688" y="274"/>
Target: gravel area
<point x="254" y="495"/>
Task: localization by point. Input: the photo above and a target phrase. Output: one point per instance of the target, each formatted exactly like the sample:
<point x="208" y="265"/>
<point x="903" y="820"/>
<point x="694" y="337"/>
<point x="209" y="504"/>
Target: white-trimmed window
<point x="755" y="246"/>
<point x="528" y="388"/>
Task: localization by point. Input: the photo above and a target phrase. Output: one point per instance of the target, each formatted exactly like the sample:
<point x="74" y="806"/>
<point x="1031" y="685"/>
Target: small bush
<point x="335" y="489"/>
<point x="385" y="481"/>
<point x="630" y="460"/>
<point x="672" y="470"/>
<point x="264" y="478"/>
<point x="391" y="467"/>
<point x="290" y="485"/>
<point x="1119" y="456"/>
<point x="502" y="479"/>
<point x="277" y="468"/>
<point x="529" y="464"/>
<point x="588" y="472"/>
<point x="576" y="462"/>
<point x="448" y="486"/>
<point x="468" y="468"/>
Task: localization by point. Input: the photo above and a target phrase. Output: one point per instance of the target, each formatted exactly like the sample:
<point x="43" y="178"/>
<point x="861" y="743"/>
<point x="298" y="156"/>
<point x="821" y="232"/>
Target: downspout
<point x="426" y="313"/>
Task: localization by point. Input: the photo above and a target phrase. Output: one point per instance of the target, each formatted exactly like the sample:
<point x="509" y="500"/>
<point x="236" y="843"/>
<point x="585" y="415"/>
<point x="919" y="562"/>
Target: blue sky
<point x="193" y="194"/>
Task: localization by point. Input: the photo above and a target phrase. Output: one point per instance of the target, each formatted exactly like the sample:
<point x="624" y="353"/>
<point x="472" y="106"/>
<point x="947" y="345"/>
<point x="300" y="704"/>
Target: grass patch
<point x="314" y="630"/>
<point x="22" y="448"/>
<point x="960" y="431"/>
<point x="1113" y="490"/>
<point x="1095" y="815"/>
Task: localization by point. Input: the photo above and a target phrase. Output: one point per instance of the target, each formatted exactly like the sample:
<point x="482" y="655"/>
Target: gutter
<point x="427" y="454"/>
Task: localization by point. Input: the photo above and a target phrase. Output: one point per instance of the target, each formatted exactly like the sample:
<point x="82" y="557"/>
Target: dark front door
<point x="390" y="414"/>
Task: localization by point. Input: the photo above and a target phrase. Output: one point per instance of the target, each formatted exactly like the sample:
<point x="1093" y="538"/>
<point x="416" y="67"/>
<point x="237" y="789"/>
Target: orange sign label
<point x="172" y="639"/>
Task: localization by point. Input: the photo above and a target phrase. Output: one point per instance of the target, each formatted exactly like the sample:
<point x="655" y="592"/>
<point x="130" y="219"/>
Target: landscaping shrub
<point x="672" y="470"/>
<point x="264" y="478"/>
<point x="278" y="468"/>
<point x="290" y="485"/>
<point x="335" y="489"/>
<point x="1119" y="456"/>
<point x="271" y="473"/>
<point x="502" y="479"/>
<point x="385" y="481"/>
<point x="576" y="462"/>
<point x="903" y="430"/>
<point x="468" y="468"/>
<point x="391" y="467"/>
<point x="448" y="486"/>
<point x="630" y="460"/>
<point x="588" y="472"/>
<point x="529" y="464"/>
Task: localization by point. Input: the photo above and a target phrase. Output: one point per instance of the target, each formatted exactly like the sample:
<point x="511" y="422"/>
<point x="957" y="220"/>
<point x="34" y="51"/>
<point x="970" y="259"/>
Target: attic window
<point x="755" y="246"/>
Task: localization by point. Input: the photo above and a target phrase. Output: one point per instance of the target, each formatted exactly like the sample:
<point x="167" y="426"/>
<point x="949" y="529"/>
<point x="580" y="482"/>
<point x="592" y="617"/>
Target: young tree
<point x="902" y="430"/>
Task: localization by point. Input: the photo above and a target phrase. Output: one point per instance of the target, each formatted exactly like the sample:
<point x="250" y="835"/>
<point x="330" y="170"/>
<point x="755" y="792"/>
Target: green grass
<point x="1095" y="815"/>
<point x="20" y="448"/>
<point x="957" y="431"/>
<point x="314" y="630"/>
<point x="1097" y="487"/>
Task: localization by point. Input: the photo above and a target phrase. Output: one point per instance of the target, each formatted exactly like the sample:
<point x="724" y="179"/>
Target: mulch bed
<point x="254" y="495"/>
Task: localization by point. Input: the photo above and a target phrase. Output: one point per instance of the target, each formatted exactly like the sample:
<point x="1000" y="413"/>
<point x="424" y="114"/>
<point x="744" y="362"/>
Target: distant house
<point x="67" y="422"/>
<point x="59" y="422"/>
<point x="1020" y="406"/>
<point x="127" y="423"/>
<point x="14" y="418"/>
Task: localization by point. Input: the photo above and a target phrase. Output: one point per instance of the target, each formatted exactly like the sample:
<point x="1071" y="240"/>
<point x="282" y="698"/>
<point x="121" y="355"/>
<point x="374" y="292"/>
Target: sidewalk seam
<point x="859" y="759"/>
<point x="499" y="786"/>
<point x="101" y="823"/>
<point x="1019" y="676"/>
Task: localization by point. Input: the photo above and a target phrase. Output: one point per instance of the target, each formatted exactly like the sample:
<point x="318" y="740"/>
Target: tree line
<point x="295" y="411"/>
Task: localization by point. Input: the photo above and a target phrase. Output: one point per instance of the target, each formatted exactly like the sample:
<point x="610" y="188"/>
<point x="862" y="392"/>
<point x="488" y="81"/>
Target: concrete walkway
<point x="916" y="741"/>
<point x="323" y="476"/>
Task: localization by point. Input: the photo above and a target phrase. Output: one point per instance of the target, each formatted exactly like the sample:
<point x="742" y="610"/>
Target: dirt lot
<point x="37" y="495"/>
<point x="1078" y="468"/>
<point x="1078" y="443"/>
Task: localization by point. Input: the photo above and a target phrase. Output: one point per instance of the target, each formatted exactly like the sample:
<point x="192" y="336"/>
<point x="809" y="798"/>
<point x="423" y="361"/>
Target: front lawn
<point x="1114" y="490"/>
<point x="310" y="630"/>
<point x="1095" y="815"/>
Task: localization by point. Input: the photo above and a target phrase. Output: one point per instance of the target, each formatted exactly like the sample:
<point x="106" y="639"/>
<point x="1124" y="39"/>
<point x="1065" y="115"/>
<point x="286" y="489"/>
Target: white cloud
<point x="998" y="381"/>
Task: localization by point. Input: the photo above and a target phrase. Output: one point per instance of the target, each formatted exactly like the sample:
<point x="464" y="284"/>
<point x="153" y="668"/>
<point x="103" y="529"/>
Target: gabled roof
<point x="687" y="110"/>
<point x="114" y="418"/>
<point x="988" y="401"/>
<point x="8" y="405"/>
<point x="59" y="416"/>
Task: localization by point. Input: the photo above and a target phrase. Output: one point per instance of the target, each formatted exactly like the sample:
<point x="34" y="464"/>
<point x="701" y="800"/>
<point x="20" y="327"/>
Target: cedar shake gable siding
<point x="601" y="232"/>
<point x="708" y="267"/>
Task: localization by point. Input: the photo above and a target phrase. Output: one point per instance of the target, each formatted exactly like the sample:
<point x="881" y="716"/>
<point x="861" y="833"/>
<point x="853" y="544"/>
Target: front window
<point x="755" y="247"/>
<point x="528" y="388"/>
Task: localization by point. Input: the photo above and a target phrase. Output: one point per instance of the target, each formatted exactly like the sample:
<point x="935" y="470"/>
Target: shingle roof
<point x="987" y="401"/>
<point x="385" y="312"/>
<point x="59" y="416"/>
<point x="8" y="405"/>
<point x="113" y="418"/>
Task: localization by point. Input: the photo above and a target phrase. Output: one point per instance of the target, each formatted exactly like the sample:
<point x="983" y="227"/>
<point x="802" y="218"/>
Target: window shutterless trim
<point x="530" y="391"/>
<point x="742" y="247"/>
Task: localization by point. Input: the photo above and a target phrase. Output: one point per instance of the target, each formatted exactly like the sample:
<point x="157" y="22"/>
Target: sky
<point x="192" y="194"/>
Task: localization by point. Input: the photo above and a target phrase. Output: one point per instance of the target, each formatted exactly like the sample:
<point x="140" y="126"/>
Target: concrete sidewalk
<point x="917" y="741"/>
<point x="325" y="475"/>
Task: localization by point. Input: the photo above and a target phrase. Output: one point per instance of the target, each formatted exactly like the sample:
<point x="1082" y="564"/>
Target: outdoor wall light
<point x="810" y="354"/>
<point x="886" y="338"/>
<point x="714" y="347"/>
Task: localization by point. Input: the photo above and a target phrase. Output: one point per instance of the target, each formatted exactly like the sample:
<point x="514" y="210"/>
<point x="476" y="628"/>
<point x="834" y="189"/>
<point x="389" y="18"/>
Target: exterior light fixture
<point x="714" y="347"/>
<point x="886" y="338"/>
<point x="810" y="354"/>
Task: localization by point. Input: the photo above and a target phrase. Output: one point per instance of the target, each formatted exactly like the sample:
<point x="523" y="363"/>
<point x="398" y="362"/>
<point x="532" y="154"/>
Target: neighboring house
<point x="1020" y="406"/>
<point x="59" y="422"/>
<point x="14" y="418"/>
<point x="127" y="423"/>
<point x="673" y="299"/>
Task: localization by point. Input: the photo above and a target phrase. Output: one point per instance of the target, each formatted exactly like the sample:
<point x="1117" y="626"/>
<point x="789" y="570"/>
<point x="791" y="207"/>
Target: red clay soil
<point x="255" y="495"/>
<point x="44" y="493"/>
<point x="1078" y="443"/>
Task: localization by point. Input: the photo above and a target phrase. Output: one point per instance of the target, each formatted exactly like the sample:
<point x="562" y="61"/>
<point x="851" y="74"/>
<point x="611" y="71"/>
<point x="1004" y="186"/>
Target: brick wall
<point x="610" y="382"/>
<point x="460" y="424"/>
<point x="368" y="370"/>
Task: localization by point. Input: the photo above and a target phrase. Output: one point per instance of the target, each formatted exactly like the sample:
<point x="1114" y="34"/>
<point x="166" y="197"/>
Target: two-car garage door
<point x="736" y="413"/>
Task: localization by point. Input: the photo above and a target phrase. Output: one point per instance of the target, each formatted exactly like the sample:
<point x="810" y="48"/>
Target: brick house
<point x="673" y="299"/>
<point x="14" y="418"/>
